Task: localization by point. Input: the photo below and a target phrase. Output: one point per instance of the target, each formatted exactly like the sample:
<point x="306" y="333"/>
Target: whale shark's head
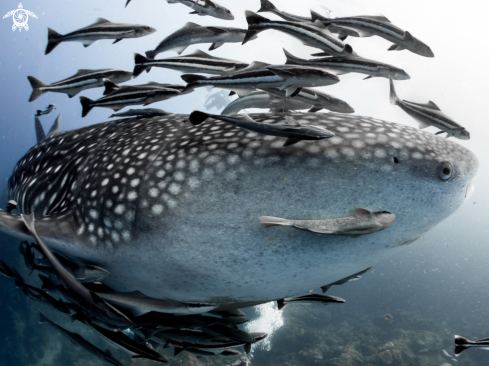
<point x="171" y="209"/>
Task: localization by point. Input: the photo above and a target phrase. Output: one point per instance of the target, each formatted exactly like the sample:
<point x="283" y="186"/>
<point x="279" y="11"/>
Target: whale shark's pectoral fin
<point x="13" y="225"/>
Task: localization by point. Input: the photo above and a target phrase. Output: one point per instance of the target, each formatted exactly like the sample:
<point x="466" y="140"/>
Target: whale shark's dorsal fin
<point x="55" y="127"/>
<point x="40" y="134"/>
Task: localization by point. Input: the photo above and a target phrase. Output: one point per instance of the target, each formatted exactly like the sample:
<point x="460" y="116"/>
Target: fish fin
<point x="291" y="59"/>
<point x="320" y="54"/>
<point x="354" y="31"/>
<point x="291" y="121"/>
<point x="217" y="30"/>
<point x="429" y="105"/>
<point x="291" y="141"/>
<point x="460" y="341"/>
<point x="202" y="54"/>
<point x="178" y="49"/>
<point x="483" y="340"/>
<point x="342" y="36"/>
<point x="266" y="6"/>
<point x="316" y="16"/>
<point x="243" y="92"/>
<point x="177" y="351"/>
<point x="314" y="109"/>
<point x="36" y="85"/>
<point x="247" y="347"/>
<point x="422" y="124"/>
<point x="54" y="39"/>
<point x="88" y="43"/>
<point x="362" y="212"/>
<point x="197" y="117"/>
<point x="248" y="118"/>
<point x="255" y="65"/>
<point x="139" y="66"/>
<point x="281" y="303"/>
<point x="194" y="12"/>
<point x="325" y="289"/>
<point x="289" y="90"/>
<point x="40" y="134"/>
<point x="55" y="127"/>
<point x="117" y="40"/>
<point x="42" y="318"/>
<point x="393" y="96"/>
<point x="110" y="86"/>
<point x="408" y="37"/>
<point x="86" y="107"/>
<point x="368" y="77"/>
<point x="458" y="350"/>
<point x="100" y="21"/>
<point x="318" y="231"/>
<point x="269" y="221"/>
<point x="254" y="21"/>
<point x="231" y="93"/>
<point x="440" y="132"/>
<point x="190" y="25"/>
<point x="150" y="54"/>
<point x="393" y="47"/>
<point x="215" y="45"/>
<point x="127" y="3"/>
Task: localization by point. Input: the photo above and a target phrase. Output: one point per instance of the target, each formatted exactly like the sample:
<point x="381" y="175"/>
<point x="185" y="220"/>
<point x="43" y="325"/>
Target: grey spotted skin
<point x="148" y="198"/>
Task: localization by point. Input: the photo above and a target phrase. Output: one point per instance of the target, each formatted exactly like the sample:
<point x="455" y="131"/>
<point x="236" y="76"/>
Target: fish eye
<point x="445" y="170"/>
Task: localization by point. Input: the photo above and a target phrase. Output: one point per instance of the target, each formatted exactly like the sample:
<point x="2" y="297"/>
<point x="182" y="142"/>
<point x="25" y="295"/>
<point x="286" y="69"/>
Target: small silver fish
<point x="361" y="222"/>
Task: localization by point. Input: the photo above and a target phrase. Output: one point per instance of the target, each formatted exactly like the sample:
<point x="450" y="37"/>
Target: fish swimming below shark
<point x="171" y="209"/>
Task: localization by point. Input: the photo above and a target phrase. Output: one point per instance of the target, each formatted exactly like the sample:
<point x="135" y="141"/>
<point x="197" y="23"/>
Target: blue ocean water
<point x="434" y="289"/>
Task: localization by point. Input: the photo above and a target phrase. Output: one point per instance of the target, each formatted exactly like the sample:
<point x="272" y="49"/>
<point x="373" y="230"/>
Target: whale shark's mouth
<point x="469" y="191"/>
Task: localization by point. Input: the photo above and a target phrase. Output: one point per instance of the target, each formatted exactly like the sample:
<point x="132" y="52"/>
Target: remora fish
<point x="85" y="298"/>
<point x="82" y="342"/>
<point x="429" y="115"/>
<point x="101" y="29"/>
<point x="267" y="6"/>
<point x="318" y="99"/>
<point x="263" y="99"/>
<point x="192" y="33"/>
<point x="197" y="62"/>
<point x="310" y="34"/>
<point x="128" y="95"/>
<point x="344" y="65"/>
<point x="362" y="222"/>
<point x="353" y="277"/>
<point x="206" y="7"/>
<point x="260" y="75"/>
<point x="366" y="25"/>
<point x="141" y="304"/>
<point x="309" y="298"/>
<point x="47" y="111"/>
<point x="82" y="80"/>
<point x="293" y="130"/>
<point x="461" y="344"/>
<point x="148" y="112"/>
<point x="146" y="198"/>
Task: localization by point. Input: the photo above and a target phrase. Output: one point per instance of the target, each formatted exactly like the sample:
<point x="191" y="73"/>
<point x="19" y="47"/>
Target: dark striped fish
<point x="197" y="62"/>
<point x="263" y="99"/>
<point x="83" y="79"/>
<point x="260" y="75"/>
<point x="309" y="34"/>
<point x="367" y="25"/>
<point x="128" y="95"/>
<point x="101" y="29"/>
<point x="429" y="115"/>
<point x="346" y="64"/>
<point x="192" y="33"/>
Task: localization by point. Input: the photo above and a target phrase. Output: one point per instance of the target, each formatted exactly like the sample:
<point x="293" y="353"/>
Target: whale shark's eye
<point x="445" y="170"/>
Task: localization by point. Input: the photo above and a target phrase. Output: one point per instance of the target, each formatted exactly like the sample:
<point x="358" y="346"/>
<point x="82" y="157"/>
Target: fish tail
<point x="269" y="221"/>
<point x="191" y="80"/>
<point x="197" y="117"/>
<point x="266" y="6"/>
<point x="54" y="39"/>
<point x="110" y="86"/>
<point x="254" y="21"/>
<point x="139" y="66"/>
<point x="291" y="59"/>
<point x="85" y="102"/>
<point x="127" y="3"/>
<point x="393" y="96"/>
<point x="459" y="340"/>
<point x="36" y="88"/>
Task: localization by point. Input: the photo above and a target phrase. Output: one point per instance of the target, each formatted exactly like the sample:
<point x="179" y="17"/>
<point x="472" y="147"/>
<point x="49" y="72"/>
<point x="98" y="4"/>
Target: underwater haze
<point x="407" y="309"/>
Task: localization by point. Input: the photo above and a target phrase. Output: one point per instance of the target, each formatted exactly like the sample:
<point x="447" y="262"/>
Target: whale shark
<point x="171" y="210"/>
